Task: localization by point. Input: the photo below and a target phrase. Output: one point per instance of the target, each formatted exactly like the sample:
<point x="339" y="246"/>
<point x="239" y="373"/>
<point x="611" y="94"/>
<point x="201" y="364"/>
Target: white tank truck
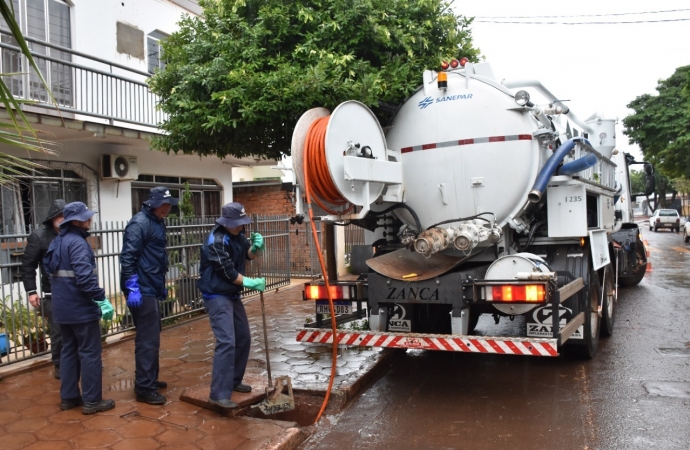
<point x="475" y="201"/>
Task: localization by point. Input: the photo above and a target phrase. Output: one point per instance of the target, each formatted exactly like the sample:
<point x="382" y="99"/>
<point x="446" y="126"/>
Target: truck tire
<point x="656" y="229"/>
<point x="592" y="325"/>
<point x="639" y="271"/>
<point x="686" y="238"/>
<point x="474" y="320"/>
<point x="608" y="307"/>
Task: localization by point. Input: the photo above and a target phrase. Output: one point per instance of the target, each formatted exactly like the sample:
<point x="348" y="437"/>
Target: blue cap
<point x="76" y="211"/>
<point x="233" y="215"/>
<point x="160" y="195"/>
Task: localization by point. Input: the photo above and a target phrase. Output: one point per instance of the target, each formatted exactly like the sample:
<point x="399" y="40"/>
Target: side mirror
<point x="649" y="184"/>
<point x="648" y="169"/>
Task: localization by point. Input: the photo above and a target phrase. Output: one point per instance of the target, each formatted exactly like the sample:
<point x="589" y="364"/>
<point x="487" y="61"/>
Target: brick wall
<point x="270" y="200"/>
<point x="263" y="200"/>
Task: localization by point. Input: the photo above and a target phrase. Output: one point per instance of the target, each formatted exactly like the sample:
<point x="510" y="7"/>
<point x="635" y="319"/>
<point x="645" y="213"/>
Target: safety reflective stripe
<point x="452" y="343"/>
<point x="481" y="140"/>
<point x="67" y="273"/>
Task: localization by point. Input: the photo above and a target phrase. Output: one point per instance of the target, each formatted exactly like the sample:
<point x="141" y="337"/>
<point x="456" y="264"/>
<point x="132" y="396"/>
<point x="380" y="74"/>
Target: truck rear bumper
<point x="443" y="342"/>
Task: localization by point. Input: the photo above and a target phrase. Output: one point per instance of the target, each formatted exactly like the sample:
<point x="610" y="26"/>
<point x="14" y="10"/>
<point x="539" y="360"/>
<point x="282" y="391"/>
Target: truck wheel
<point x="640" y="269"/>
<point x="474" y="320"/>
<point x="656" y="230"/>
<point x="686" y="238"/>
<point x="592" y="324"/>
<point x="608" y="310"/>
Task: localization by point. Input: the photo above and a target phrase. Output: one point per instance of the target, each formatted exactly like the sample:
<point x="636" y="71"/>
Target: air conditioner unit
<point x="119" y="167"/>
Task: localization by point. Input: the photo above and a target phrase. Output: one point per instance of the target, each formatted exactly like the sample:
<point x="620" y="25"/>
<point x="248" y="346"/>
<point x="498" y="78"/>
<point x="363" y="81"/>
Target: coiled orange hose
<point x="316" y="171"/>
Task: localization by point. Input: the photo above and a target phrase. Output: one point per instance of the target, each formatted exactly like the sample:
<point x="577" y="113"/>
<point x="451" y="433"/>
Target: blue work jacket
<point x="223" y="258"/>
<point x="143" y="253"/>
<point x="71" y="263"/>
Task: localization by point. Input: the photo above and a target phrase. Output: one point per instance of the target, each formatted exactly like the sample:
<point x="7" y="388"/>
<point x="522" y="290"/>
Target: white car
<point x="686" y="231"/>
<point x="665" y="218"/>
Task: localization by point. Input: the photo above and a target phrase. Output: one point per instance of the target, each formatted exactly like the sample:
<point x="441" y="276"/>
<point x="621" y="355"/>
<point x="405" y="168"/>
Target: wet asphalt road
<point x="634" y="395"/>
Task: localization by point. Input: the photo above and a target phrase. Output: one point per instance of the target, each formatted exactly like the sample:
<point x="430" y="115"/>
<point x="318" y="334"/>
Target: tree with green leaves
<point x="238" y="78"/>
<point x="660" y="125"/>
<point x="18" y="132"/>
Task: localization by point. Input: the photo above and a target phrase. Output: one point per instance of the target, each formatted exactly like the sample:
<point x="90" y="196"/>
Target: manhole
<point x="307" y="406"/>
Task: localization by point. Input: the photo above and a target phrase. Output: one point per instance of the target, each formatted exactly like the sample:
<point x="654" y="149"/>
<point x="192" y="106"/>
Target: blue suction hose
<point x="550" y="168"/>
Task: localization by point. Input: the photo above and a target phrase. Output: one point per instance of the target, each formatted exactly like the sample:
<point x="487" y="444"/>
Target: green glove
<point x="257" y="284"/>
<point x="107" y="310"/>
<point x="257" y="242"/>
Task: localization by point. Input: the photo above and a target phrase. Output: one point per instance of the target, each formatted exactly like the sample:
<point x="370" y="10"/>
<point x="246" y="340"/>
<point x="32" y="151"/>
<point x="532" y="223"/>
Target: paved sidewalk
<point x="30" y="416"/>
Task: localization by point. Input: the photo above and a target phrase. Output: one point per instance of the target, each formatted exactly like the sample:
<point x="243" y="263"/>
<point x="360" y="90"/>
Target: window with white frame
<point x="25" y="202"/>
<point x="154" y="52"/>
<point x="48" y="21"/>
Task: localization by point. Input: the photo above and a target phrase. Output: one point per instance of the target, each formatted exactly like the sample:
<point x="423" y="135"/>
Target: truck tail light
<point x="677" y="220"/>
<point x="516" y="293"/>
<point x="658" y="220"/>
<point x="316" y="292"/>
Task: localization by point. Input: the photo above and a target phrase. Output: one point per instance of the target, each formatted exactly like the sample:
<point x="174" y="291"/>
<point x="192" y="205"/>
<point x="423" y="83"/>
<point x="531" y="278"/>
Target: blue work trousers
<point x="233" y="338"/>
<point x="147" y="344"/>
<point x="81" y="358"/>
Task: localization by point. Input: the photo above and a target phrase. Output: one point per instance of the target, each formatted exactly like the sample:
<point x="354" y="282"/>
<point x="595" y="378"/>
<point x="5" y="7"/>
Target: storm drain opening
<point x="307" y="406"/>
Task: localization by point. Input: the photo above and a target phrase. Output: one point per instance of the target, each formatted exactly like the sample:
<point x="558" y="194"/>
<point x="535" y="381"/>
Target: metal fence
<point x="80" y="83"/>
<point x="23" y="330"/>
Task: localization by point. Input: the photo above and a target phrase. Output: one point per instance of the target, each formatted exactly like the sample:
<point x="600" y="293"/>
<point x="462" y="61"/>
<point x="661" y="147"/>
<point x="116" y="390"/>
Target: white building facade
<point x="96" y="56"/>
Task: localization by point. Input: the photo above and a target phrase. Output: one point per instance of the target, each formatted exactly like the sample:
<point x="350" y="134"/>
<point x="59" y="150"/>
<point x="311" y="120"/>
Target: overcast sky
<point x="598" y="67"/>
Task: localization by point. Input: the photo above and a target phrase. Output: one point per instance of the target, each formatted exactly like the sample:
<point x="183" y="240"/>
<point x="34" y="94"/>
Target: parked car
<point x="665" y="218"/>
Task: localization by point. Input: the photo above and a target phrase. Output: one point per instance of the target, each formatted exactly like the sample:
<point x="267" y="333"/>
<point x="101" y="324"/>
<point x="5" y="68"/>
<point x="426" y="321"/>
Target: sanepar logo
<point x="449" y="98"/>
<point x="426" y="102"/>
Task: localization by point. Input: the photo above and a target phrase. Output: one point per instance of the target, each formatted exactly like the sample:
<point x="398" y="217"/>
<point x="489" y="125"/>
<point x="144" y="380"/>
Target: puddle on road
<point x="679" y="352"/>
<point x="674" y="389"/>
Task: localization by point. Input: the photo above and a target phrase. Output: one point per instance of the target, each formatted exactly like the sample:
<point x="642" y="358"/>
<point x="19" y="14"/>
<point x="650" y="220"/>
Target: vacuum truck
<point x="476" y="201"/>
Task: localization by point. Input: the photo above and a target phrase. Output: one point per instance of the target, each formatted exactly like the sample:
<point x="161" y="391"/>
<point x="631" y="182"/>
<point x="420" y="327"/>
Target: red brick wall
<point x="270" y="200"/>
<point x="263" y="200"/>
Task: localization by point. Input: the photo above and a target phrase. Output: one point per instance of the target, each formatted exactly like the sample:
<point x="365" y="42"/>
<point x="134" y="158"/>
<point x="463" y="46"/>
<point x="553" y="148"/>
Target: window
<point x="154" y="52"/>
<point x="206" y="194"/>
<point x="47" y="21"/>
<point x="25" y="203"/>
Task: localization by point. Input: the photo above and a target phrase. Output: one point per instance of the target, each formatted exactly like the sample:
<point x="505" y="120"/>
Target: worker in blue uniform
<point x="78" y="305"/>
<point x="143" y="265"/>
<point x="223" y="259"/>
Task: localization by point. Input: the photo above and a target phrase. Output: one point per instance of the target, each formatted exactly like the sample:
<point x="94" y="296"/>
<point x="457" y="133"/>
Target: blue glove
<point x="134" y="297"/>
<point x="257" y="284"/>
<point x="107" y="310"/>
<point x="257" y="242"/>
<point x="165" y="293"/>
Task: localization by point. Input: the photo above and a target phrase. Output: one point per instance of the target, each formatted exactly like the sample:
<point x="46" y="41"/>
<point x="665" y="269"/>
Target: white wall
<point x="94" y="25"/>
<point x="116" y="201"/>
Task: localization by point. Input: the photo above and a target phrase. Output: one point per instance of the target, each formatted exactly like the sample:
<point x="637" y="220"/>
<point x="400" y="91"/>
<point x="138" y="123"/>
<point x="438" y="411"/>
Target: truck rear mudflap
<point x="443" y="342"/>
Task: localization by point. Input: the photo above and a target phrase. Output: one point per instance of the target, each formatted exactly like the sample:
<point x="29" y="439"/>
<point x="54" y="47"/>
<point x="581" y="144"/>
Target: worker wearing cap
<point x="78" y="305"/>
<point x="143" y="265"/>
<point x="222" y="279"/>
<point x="36" y="247"/>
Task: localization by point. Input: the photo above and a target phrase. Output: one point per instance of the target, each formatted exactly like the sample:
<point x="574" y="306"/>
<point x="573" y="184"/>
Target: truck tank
<point x="465" y="150"/>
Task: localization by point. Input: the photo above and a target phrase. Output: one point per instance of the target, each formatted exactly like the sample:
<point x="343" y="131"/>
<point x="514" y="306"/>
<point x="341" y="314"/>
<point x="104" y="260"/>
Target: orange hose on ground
<point x="316" y="170"/>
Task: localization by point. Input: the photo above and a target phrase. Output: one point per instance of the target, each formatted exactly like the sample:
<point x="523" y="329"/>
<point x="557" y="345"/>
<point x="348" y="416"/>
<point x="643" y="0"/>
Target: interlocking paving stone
<point x="29" y="402"/>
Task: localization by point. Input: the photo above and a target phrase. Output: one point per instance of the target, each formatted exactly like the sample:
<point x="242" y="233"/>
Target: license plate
<point x="339" y="307"/>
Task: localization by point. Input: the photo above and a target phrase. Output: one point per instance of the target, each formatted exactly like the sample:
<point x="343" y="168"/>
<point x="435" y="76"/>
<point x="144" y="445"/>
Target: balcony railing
<point x="80" y="83"/>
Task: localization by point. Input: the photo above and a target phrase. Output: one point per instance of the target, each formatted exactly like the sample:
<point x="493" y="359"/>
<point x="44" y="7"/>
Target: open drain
<point x="307" y="406"/>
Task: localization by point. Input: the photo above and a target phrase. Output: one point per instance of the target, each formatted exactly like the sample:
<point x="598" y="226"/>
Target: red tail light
<point x="464" y="61"/>
<point x="518" y="293"/>
<point x="315" y="292"/>
<point x="658" y="220"/>
<point x="454" y="63"/>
